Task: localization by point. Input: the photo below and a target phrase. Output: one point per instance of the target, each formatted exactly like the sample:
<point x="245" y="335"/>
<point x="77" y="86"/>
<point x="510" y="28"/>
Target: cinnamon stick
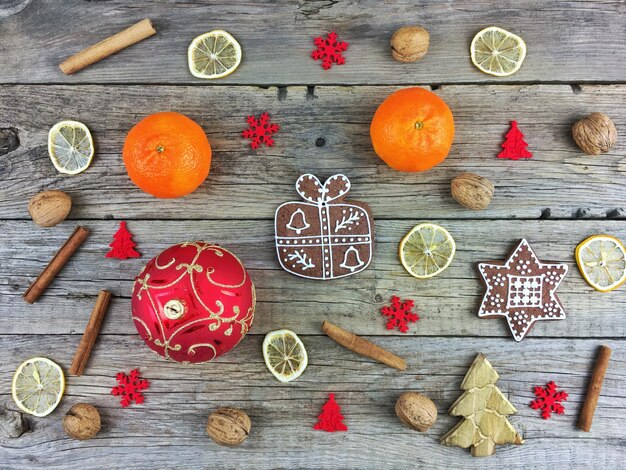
<point x="91" y="333"/>
<point x="363" y="347"/>
<point x="62" y="256"/>
<point x="108" y="46"/>
<point x="593" y="391"/>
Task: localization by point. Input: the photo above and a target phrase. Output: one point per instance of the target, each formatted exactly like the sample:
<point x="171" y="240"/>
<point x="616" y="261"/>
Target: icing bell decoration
<point x="193" y="302"/>
<point x="324" y="236"/>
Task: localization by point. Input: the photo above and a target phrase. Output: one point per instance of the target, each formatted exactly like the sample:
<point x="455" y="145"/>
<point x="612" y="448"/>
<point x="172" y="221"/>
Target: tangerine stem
<point x="419" y="124"/>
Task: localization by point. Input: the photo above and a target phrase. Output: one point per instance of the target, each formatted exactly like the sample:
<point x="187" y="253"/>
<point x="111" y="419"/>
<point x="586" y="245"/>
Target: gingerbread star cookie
<point x="522" y="290"/>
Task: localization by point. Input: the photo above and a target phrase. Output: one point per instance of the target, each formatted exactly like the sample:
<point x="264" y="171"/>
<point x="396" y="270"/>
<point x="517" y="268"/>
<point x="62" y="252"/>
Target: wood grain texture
<point x="568" y="40"/>
<point x="168" y="430"/>
<point x="575" y="65"/>
<point x="447" y="303"/>
<point x="251" y="184"/>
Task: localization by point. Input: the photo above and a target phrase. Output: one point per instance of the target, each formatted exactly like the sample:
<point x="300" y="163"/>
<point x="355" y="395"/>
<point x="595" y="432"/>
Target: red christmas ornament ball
<point x="193" y="302"/>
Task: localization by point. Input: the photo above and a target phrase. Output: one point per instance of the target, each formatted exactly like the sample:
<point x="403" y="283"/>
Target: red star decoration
<point x="130" y="387"/>
<point x="329" y="50"/>
<point x="522" y="290"/>
<point x="548" y="400"/>
<point x="399" y="314"/>
<point x="260" y="130"/>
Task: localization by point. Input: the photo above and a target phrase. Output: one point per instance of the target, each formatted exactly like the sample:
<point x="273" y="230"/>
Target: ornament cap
<point x="174" y="309"/>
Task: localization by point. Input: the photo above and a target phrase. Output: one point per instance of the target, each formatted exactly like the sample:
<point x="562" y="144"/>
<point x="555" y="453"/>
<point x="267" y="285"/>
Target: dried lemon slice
<point x="214" y="55"/>
<point x="602" y="262"/>
<point x="38" y="386"/>
<point x="426" y="250"/>
<point x="70" y="147"/>
<point x="497" y="52"/>
<point x="284" y="355"/>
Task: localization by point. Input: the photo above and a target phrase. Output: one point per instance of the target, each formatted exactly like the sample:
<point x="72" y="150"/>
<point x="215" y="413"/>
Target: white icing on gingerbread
<point x="527" y="285"/>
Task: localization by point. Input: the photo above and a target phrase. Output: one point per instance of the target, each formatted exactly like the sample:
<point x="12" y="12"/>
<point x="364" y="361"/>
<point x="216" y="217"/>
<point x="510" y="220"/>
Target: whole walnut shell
<point x="228" y="426"/>
<point x="595" y="134"/>
<point x="417" y="411"/>
<point x="409" y="44"/>
<point x="49" y="208"/>
<point x="472" y="191"/>
<point x="82" y="421"/>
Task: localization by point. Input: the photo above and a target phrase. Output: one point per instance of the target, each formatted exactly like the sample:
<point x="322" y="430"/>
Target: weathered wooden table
<point x="575" y="65"/>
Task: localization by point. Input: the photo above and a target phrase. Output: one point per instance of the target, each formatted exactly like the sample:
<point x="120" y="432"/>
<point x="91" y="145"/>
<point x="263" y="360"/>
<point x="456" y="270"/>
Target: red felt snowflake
<point x="548" y="400"/>
<point x="330" y="419"/>
<point x="123" y="246"/>
<point x="260" y="130"/>
<point x="329" y="50"/>
<point x="514" y="144"/>
<point x="400" y="314"/>
<point x="130" y="387"/>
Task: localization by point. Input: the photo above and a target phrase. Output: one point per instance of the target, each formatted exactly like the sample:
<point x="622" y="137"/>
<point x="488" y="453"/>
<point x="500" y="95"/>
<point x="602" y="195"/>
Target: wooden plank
<point x="447" y="303"/>
<point x="568" y="41"/>
<point x="169" y="427"/>
<point x="246" y="184"/>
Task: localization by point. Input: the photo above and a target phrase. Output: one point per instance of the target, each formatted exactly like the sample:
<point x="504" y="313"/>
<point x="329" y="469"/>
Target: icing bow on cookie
<point x="311" y="189"/>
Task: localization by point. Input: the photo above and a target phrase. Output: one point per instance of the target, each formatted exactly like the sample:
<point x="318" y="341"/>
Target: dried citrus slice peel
<point x="215" y="54"/>
<point x="284" y="355"/>
<point x="70" y="147"/>
<point x="38" y="386"/>
<point x="497" y="52"/>
<point x="602" y="262"/>
<point x="426" y="250"/>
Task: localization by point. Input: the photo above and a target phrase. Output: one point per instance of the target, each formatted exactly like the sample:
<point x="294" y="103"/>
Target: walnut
<point x="49" y="208"/>
<point x="228" y="426"/>
<point x="472" y="191"/>
<point x="409" y="44"/>
<point x="417" y="411"/>
<point x="595" y="134"/>
<point x="82" y="421"/>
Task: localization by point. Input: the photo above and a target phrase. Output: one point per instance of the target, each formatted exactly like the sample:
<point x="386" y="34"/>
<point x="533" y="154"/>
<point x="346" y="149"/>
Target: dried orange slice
<point x="602" y="262"/>
<point x="70" y="147"/>
<point x="497" y="52"/>
<point x="215" y="54"/>
<point x="426" y="250"/>
<point x="284" y="355"/>
<point x="38" y="386"/>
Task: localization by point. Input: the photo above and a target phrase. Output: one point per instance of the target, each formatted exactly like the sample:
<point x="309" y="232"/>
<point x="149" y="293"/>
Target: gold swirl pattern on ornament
<point x="165" y="266"/>
<point x="143" y="323"/>
<point x="144" y="285"/>
<point x="166" y="347"/>
<point x="192" y="349"/>
<point x="164" y="286"/>
<point x="185" y="326"/>
<point x="154" y="308"/>
<point x="211" y="270"/>
<point x="194" y="244"/>
<point x="189" y="269"/>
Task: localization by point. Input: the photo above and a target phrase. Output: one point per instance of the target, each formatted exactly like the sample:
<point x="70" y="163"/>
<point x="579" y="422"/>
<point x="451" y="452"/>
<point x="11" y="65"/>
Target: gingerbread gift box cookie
<point x="324" y="237"/>
<point x="522" y="289"/>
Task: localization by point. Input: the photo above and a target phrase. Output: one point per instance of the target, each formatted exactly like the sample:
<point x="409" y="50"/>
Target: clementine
<point x="167" y="155"/>
<point x="412" y="130"/>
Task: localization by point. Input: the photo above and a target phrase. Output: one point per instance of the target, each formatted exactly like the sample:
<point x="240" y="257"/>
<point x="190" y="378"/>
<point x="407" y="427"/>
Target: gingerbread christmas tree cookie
<point x="484" y="410"/>
<point x="522" y="289"/>
<point x="324" y="237"/>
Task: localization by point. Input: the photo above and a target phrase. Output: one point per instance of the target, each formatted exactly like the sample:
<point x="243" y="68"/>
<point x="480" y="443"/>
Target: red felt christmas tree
<point x="123" y="246"/>
<point x="514" y="144"/>
<point x="330" y="419"/>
